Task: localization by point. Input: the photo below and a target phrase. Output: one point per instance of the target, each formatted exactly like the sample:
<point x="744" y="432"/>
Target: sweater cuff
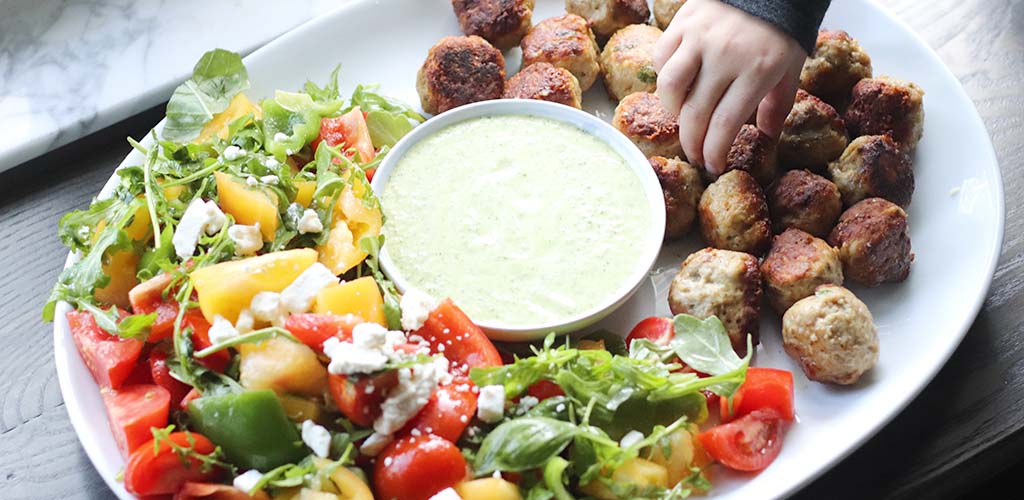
<point x="799" y="19"/>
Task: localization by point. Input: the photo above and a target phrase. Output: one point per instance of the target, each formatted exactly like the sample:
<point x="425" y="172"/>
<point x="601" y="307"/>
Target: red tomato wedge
<point x="314" y="329"/>
<point x="159" y="470"/>
<point x="360" y="398"/>
<point x="415" y="468"/>
<point x="109" y="358"/>
<point x="147" y="297"/>
<point x="133" y="411"/>
<point x="349" y="131"/>
<point x="463" y="342"/>
<point x="192" y="395"/>
<point x="217" y="361"/>
<point x="749" y="443"/>
<point x="449" y="410"/>
<point x="160" y="374"/>
<point x="544" y="389"/>
<point x="656" y="329"/>
<point x="215" y="491"/>
<point x="765" y="388"/>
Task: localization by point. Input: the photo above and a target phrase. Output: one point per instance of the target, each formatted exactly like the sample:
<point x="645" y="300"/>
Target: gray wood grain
<point x="965" y="427"/>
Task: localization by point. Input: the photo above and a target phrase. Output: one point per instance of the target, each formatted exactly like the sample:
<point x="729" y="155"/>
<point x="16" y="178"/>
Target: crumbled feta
<point x="310" y="222"/>
<point x="490" y="405"/>
<point x="215" y="218"/>
<point x="248" y="239"/>
<point x="369" y="335"/>
<point x="348" y="358"/>
<point x="266" y="306"/>
<point x="247" y="480"/>
<point x="270" y="163"/>
<point x="526" y="403"/>
<point x="375" y="444"/>
<point x="631" y="438"/>
<point x="280" y="137"/>
<point x="270" y="179"/>
<point x="448" y="493"/>
<point x="221" y="330"/>
<point x="415" y="385"/>
<point x="252" y="181"/>
<point x="298" y="296"/>
<point x="416" y="306"/>
<point x="245" y="321"/>
<point x="232" y="153"/>
<point x="317" y="438"/>
<point x="200" y="216"/>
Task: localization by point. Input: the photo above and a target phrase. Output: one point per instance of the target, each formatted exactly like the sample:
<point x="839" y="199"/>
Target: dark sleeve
<point x="799" y="19"/>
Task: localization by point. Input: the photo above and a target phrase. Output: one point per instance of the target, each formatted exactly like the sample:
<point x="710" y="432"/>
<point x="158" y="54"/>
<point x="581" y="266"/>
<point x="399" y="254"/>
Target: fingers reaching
<point x="772" y="112"/>
<point x="676" y="77"/>
<point x="739" y="101"/>
<point x="695" y="114"/>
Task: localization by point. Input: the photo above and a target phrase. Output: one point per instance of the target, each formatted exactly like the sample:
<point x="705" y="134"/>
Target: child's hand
<point x="715" y="64"/>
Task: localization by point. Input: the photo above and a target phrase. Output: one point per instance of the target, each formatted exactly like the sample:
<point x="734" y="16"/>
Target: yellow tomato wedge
<point x="283" y="366"/>
<point x="248" y="205"/>
<point x="304" y="196"/>
<point x="353" y="220"/>
<point x="239" y="106"/>
<point x="489" y="488"/>
<point x="635" y="471"/>
<point x="228" y="287"/>
<point x="360" y="297"/>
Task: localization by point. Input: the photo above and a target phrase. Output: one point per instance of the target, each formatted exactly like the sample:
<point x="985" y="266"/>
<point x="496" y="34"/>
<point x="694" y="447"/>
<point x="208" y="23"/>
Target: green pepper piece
<point x="250" y="427"/>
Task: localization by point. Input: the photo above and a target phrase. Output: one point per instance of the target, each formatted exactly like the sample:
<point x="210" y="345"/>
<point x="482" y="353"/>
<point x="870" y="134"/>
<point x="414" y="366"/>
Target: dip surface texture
<point x="521" y="220"/>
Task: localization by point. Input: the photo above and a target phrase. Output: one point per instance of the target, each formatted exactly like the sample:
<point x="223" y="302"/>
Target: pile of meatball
<point x="786" y="223"/>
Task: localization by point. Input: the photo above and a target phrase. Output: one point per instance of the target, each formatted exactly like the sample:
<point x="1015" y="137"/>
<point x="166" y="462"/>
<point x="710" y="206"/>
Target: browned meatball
<point x="682" y="186"/>
<point x="608" y="16"/>
<point x="501" y="22"/>
<point x="874" y="242"/>
<point x="832" y="335"/>
<point x="544" y="82"/>
<point x="874" y="166"/>
<point x="755" y="152"/>
<point x="805" y="201"/>
<point x="627" y="61"/>
<point x="885" y="105"/>
<point x="567" y="42"/>
<point x="836" y="65"/>
<point x="724" y="284"/>
<point x="655" y="131"/>
<point x="734" y="215"/>
<point x="796" y="265"/>
<point x="812" y="135"/>
<point x="460" y="70"/>
<point x="665" y="10"/>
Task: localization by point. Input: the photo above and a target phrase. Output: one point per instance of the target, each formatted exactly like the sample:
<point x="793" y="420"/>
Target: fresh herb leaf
<point x="392" y="309"/>
<point x="216" y="79"/>
<point x="522" y="444"/>
<point x="704" y="345"/>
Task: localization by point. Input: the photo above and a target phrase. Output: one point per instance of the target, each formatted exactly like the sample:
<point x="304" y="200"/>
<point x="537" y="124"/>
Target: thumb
<point x="775" y="107"/>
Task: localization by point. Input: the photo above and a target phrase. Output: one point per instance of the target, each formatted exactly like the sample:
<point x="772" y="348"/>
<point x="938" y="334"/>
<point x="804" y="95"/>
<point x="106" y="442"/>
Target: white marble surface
<point x="71" y="67"/>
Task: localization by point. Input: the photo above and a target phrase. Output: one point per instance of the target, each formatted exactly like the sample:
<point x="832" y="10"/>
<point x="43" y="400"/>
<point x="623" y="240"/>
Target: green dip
<point x="521" y="220"/>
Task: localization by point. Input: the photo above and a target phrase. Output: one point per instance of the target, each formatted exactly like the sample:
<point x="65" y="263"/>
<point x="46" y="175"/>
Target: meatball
<point x="796" y="265"/>
<point x="627" y="62"/>
<point x="832" y="335"/>
<point x="874" y="166"/>
<point x="567" y="42"/>
<point x="665" y="10"/>
<point x="682" y="186"/>
<point x="544" y="82"/>
<point x="805" y="201"/>
<point x="653" y="130"/>
<point x="460" y="70"/>
<point x="501" y="22"/>
<point x="724" y="284"/>
<point x="812" y="135"/>
<point x="734" y="215"/>
<point x="873" y="242"/>
<point x="755" y="152"/>
<point x="887" y="106"/>
<point x="608" y="16"/>
<point x="836" y="65"/>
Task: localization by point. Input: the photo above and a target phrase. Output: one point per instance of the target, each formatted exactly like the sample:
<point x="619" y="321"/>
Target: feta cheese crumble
<point x="348" y="358"/>
<point x="415" y="385"/>
<point x="245" y="321"/>
<point x="416" y="307"/>
<point x="247" y="480"/>
<point x="252" y="181"/>
<point x="232" y="153"/>
<point x="221" y="330"/>
<point x="280" y="137"/>
<point x="317" y="438"/>
<point x="271" y="163"/>
<point x="631" y="438"/>
<point x="310" y="222"/>
<point x="270" y="179"/>
<point x="248" y="239"/>
<point x="266" y="306"/>
<point x="375" y="444"/>
<point x="490" y="405"/>
<point x="448" y="493"/>
<point x="298" y="296"/>
<point x="200" y="216"/>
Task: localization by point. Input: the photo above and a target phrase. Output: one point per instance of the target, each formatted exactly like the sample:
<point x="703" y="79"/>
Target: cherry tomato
<point x="464" y="343"/>
<point x="656" y="329"/>
<point x="217" y="361"/>
<point x="160" y="374"/>
<point x="544" y="389"/>
<point x="765" y="388"/>
<point x="415" y="468"/>
<point x="314" y="329"/>
<point x="192" y="395"/>
<point x="215" y="491"/>
<point x="749" y="443"/>
<point x="133" y="410"/>
<point x="449" y="410"/>
<point x="109" y="358"/>
<point x="147" y="297"/>
<point x="359" y="398"/>
<point x="159" y="470"/>
<point x="349" y="131"/>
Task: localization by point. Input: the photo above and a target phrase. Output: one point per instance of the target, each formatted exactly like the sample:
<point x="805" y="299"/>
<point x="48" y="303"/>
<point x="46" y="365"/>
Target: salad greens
<point x="216" y="79"/>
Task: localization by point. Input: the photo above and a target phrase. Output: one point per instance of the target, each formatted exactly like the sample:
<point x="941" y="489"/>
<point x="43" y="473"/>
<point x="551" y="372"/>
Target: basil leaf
<point x="521" y="444"/>
<point x="704" y="345"/>
<point x="216" y="79"/>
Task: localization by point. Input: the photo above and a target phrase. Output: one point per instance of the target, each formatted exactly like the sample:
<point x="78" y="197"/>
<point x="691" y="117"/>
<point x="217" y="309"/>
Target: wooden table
<point x="962" y="430"/>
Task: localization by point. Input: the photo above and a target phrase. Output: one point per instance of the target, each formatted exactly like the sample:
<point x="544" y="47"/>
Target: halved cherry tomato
<point x="656" y="329"/>
<point x="192" y="395"/>
<point x="464" y="342"/>
<point x="160" y="373"/>
<point x="415" y="468"/>
<point x="159" y="470"/>
<point x="765" y="388"/>
<point x="749" y="443"/>
<point x="147" y="297"/>
<point x="359" y="398"/>
<point x="110" y="358"/>
<point x="449" y="410"/>
<point x="349" y="130"/>
<point x="215" y="491"/>
<point x="217" y="361"/>
<point x="313" y="329"/>
<point x="133" y="410"/>
<point x="544" y="389"/>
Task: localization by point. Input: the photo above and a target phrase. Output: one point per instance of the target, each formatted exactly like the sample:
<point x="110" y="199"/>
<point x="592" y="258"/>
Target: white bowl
<point x="585" y="122"/>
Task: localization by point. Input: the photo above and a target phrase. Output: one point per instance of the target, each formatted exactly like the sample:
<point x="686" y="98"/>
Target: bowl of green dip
<point x="532" y="217"/>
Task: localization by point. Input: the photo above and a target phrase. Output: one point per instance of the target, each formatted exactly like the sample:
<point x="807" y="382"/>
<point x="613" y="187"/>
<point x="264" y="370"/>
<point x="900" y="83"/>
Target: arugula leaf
<point x="392" y="300"/>
<point x="554" y="478"/>
<point x="522" y="444"/>
<point x="216" y="79"/>
<point x="328" y="92"/>
<point x="704" y="345"/>
<point x="135" y="326"/>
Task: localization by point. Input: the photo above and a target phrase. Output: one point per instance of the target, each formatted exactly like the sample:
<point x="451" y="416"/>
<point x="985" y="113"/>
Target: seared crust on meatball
<point x="832" y="335"/>
<point x="874" y="242"/>
<point x="755" y="152"/>
<point x="887" y="106"/>
<point x="544" y="82"/>
<point x="665" y="10"/>
<point x="812" y="135"/>
<point x="567" y="42"/>
<point x="836" y="65"/>
<point x="796" y="265"/>
<point x="874" y="166"/>
<point x="608" y="16"/>
<point x="720" y="283"/>
<point x="627" y="61"/>
<point x="642" y="118"/>
<point x="682" y="186"/>
<point x="501" y="22"/>
<point x="806" y="201"/>
<point x="460" y="70"/>
<point x="734" y="215"/>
